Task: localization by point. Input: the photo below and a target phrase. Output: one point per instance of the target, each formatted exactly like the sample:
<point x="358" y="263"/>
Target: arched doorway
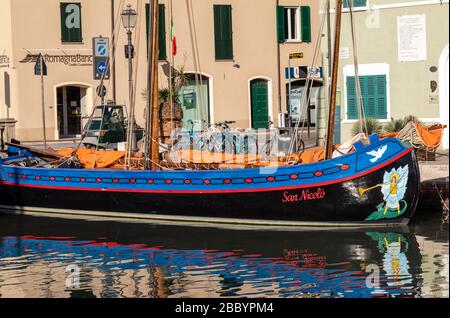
<point x="195" y="99"/>
<point x="71" y="101"/>
<point x="259" y="103"/>
<point x="443" y="94"/>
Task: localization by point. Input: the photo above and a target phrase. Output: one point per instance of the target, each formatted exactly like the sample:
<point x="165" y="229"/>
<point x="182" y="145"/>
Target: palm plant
<point x="178" y="80"/>
<point x="397" y="124"/>
<point x="372" y="125"/>
<point x="165" y="94"/>
<point x="394" y="125"/>
<point x="411" y="118"/>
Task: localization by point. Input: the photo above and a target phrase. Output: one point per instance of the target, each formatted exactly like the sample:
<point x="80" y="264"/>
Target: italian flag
<point x="173" y="38"/>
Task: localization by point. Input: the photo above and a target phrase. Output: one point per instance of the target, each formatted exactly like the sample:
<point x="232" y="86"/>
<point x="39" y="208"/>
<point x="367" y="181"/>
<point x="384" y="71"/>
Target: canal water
<point x="60" y="257"/>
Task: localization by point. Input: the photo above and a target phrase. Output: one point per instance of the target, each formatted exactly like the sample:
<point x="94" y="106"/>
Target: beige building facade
<point x="239" y="50"/>
<point x="402" y="52"/>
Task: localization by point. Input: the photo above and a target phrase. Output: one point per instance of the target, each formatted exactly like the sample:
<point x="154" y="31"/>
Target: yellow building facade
<point x="239" y="50"/>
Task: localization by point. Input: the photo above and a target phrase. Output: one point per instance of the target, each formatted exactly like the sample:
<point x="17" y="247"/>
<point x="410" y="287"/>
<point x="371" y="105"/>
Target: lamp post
<point x="129" y="18"/>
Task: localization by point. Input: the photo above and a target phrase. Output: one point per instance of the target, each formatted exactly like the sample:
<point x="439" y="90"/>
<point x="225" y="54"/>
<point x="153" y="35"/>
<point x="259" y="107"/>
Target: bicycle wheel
<point x="221" y="144"/>
<point x="267" y="148"/>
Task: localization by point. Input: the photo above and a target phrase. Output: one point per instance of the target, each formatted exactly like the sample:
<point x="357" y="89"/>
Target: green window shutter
<point x="71" y="22"/>
<point x="161" y="30"/>
<point x="352" y="103"/>
<point x="356" y="3"/>
<point x="305" y="16"/>
<point x="381" y="88"/>
<point x="147" y="23"/>
<point x="370" y="97"/>
<point x="223" y="32"/>
<point x="374" y="96"/>
<point x="280" y="25"/>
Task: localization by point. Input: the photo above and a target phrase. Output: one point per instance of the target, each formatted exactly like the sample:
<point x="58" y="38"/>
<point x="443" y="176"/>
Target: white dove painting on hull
<point x="377" y="154"/>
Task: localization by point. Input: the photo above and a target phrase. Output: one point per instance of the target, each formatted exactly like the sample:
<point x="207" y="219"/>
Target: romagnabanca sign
<point x="66" y="59"/>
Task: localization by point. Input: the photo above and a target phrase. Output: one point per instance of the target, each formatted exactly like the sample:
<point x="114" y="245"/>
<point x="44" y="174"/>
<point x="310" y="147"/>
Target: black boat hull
<point x="337" y="203"/>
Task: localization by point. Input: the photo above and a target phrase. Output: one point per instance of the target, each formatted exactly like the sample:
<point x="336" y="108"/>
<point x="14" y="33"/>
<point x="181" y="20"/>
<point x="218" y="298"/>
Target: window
<point x="71" y="22"/>
<point x="223" y="32"/>
<point x="161" y="30"/>
<point x="374" y="96"/>
<point x="291" y="24"/>
<point x="355" y="3"/>
<point x="294" y="24"/>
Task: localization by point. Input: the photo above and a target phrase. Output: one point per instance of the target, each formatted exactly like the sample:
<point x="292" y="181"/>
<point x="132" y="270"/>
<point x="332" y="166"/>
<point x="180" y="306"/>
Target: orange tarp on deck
<point x="91" y="158"/>
<point x="205" y="157"/>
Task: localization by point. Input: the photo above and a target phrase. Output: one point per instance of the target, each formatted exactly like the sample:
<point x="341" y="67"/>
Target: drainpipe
<point x="113" y="51"/>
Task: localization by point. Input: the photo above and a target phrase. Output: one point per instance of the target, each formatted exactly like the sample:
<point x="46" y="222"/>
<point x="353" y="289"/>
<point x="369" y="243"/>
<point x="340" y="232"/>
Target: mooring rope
<point x="440" y="196"/>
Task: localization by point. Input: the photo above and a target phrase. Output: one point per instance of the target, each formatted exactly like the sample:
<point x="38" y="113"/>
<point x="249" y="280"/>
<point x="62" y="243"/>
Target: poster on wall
<point x="412" y="38"/>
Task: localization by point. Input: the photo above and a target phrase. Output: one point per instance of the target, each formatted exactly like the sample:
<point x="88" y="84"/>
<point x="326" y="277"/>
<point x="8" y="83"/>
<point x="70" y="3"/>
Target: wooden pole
<point x="113" y="51"/>
<point x="155" y="103"/>
<point x="148" y="110"/>
<point x="332" y="109"/>
<point x="41" y="61"/>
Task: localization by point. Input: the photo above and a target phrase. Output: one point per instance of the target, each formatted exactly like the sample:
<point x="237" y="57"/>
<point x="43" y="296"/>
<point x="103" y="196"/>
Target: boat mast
<point x="152" y="118"/>
<point x="332" y="108"/>
<point x="148" y="111"/>
<point x="155" y="104"/>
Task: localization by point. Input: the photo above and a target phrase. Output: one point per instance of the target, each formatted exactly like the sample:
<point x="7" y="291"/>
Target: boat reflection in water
<point x="48" y="257"/>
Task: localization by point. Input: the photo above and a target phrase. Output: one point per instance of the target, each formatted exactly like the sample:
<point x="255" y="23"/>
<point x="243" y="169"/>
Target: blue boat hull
<point x="347" y="190"/>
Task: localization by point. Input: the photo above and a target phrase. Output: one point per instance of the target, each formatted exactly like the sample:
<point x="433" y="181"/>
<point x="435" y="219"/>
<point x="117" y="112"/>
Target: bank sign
<point x="302" y="72"/>
<point x="66" y="59"/>
<point x="71" y="22"/>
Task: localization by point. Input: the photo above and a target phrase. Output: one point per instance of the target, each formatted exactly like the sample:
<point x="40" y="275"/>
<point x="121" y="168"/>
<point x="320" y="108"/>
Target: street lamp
<point x="129" y="18"/>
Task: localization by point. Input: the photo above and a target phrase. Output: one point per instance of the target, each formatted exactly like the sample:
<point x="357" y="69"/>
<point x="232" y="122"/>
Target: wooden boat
<point x="376" y="184"/>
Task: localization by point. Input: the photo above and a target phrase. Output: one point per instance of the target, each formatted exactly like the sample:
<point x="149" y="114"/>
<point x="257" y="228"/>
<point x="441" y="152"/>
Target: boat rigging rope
<point x="307" y="95"/>
<point x="116" y="26"/>
<point x="132" y="117"/>
<point x="361" y="112"/>
<point x="440" y="196"/>
<point x="306" y="98"/>
<point x="171" y="67"/>
<point x="196" y="55"/>
<point x="116" y="31"/>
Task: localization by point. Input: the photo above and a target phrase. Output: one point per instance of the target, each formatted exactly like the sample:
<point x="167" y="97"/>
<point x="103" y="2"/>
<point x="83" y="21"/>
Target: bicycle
<point x="201" y="141"/>
<point x="228" y="140"/>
